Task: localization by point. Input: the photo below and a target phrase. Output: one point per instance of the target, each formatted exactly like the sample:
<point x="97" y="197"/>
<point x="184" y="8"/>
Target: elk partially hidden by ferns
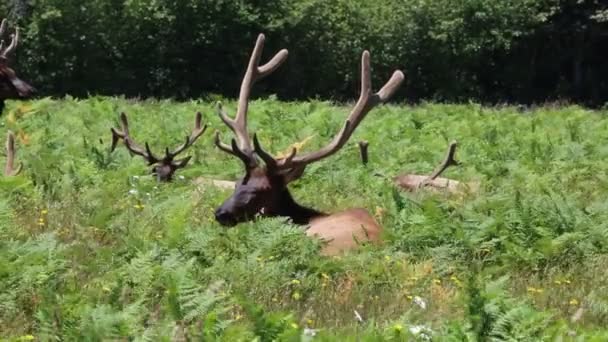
<point x="414" y="182"/>
<point x="164" y="167"/>
<point x="263" y="190"/>
<point x="11" y="86"/>
<point x="9" y="169"/>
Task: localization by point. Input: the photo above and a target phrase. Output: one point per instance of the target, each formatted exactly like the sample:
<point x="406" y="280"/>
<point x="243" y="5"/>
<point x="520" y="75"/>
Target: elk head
<point x="263" y="189"/>
<point x="10" y="169"/>
<point x="11" y="87"/>
<point x="164" y="167"/>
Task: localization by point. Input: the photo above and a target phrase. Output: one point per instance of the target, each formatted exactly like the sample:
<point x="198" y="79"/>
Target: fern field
<point x="93" y="248"/>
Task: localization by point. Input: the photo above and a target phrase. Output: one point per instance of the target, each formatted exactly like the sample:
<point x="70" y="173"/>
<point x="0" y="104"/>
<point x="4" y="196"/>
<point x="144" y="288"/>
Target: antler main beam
<point x="366" y="102"/>
<point x="14" y="41"/>
<point x="241" y="147"/>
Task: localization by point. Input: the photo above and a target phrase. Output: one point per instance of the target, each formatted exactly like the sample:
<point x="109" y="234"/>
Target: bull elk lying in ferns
<point x="11" y="87"/>
<point x="263" y="189"/>
<point x="164" y="167"/>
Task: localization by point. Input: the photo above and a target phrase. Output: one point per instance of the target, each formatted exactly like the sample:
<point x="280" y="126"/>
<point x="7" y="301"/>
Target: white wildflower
<point x="420" y="302"/>
<point x="421" y="331"/>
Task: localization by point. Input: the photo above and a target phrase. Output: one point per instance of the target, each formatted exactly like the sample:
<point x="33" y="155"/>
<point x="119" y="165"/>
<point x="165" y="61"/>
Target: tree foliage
<point x="511" y="50"/>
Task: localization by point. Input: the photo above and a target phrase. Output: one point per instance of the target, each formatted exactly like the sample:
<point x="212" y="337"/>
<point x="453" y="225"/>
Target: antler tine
<point x="123" y="133"/>
<point x="197" y="131"/>
<point x="254" y="73"/>
<point x="365" y="103"/>
<point x="12" y="46"/>
<point x="3" y="27"/>
<point x="448" y="161"/>
<point x="10" y="156"/>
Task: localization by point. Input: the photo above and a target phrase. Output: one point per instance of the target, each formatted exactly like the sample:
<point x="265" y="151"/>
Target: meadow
<point x="93" y="248"/>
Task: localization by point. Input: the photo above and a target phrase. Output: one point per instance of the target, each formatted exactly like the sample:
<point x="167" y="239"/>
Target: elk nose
<point x="224" y="217"/>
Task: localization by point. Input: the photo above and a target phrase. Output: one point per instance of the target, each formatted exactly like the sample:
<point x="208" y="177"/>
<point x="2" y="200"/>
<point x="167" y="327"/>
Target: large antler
<point x="10" y="170"/>
<point x="366" y="102"/>
<point x="241" y="147"/>
<point x="4" y="52"/>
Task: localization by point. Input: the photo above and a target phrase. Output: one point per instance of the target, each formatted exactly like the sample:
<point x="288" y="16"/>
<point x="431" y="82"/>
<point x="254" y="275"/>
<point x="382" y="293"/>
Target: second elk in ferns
<point x="413" y="182"/>
<point x="263" y="190"/>
<point x="164" y="167"/>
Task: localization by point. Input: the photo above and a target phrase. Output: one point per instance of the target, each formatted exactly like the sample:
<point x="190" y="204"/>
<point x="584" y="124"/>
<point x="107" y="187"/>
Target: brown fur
<point x="412" y="183"/>
<point x="345" y="230"/>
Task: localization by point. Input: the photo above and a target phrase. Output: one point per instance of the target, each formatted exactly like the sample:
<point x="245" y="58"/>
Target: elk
<point x="164" y="167"/>
<point x="10" y="169"/>
<point x="263" y="190"/>
<point x="413" y="182"/>
<point x="11" y="87"/>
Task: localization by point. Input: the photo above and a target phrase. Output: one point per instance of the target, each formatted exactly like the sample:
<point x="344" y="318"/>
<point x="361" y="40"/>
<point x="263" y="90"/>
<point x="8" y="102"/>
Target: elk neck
<point x="299" y="214"/>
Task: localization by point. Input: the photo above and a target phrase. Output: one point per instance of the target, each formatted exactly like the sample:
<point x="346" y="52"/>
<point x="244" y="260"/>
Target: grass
<point x="93" y="248"/>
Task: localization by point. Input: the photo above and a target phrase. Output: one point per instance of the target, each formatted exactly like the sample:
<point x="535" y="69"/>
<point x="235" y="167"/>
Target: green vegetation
<point x="92" y="248"/>
<point x="451" y="50"/>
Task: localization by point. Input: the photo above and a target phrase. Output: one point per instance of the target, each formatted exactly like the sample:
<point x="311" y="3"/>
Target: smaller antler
<point x="448" y="161"/>
<point x="4" y="53"/>
<point x="131" y="145"/>
<point x="197" y="131"/>
<point x="10" y="156"/>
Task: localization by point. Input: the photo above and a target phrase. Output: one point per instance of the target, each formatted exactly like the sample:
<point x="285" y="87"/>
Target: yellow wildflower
<point x="294" y="325"/>
<point x="573" y="301"/>
<point x="310" y="322"/>
<point x="325" y="276"/>
<point x="296" y="295"/>
<point x="437" y="281"/>
<point x="295" y="282"/>
<point x="44" y="211"/>
<point x="398" y="327"/>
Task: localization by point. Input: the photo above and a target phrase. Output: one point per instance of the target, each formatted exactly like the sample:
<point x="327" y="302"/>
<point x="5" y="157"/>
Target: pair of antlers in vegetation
<point x="293" y="165"/>
<point x="166" y="166"/>
<point x="9" y="169"/>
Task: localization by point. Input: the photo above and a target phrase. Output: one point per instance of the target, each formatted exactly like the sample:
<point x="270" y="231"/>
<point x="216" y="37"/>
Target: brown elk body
<point x="263" y="190"/>
<point x="11" y="86"/>
<point x="413" y="182"/>
<point x="164" y="167"/>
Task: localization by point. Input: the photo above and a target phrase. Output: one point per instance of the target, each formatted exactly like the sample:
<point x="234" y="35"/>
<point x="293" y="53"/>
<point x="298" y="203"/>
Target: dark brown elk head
<point x="164" y="167"/>
<point x="11" y="87"/>
<point x="10" y="169"/>
<point x="263" y="189"/>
